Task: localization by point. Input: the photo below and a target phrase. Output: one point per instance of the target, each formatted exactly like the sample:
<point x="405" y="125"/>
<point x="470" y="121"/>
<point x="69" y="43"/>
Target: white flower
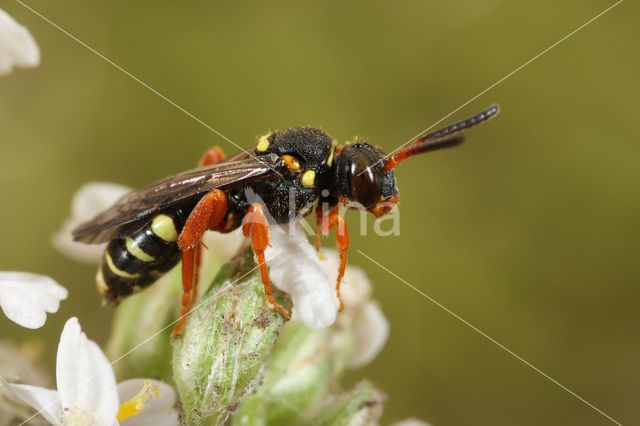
<point x="372" y="331"/>
<point x="86" y="389"/>
<point x="17" y="47"/>
<point x="26" y="298"/>
<point x="370" y="324"/>
<point x="224" y="246"/>
<point x="294" y="267"/>
<point x="91" y="199"/>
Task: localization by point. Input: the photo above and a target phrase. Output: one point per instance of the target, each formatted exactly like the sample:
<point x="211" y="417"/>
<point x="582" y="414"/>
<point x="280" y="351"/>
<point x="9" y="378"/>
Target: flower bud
<point x="304" y="366"/>
<point x="225" y="343"/>
<point x="359" y="406"/>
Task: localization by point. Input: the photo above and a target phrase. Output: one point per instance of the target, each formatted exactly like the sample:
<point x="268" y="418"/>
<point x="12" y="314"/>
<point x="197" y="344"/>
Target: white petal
<point x="295" y="268"/>
<point x="157" y="411"/>
<point x="224" y="246"/>
<point x="371" y="326"/>
<point x="94" y="197"/>
<point x="91" y="199"/>
<point x="44" y="400"/>
<point x="80" y="252"/>
<point x="17" y="47"/>
<point x="26" y="298"/>
<point x="85" y="378"/>
<point x="372" y="330"/>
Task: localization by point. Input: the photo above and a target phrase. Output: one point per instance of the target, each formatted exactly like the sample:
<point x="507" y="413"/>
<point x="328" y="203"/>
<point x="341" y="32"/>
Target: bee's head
<point x="361" y="178"/>
<point x="365" y="174"/>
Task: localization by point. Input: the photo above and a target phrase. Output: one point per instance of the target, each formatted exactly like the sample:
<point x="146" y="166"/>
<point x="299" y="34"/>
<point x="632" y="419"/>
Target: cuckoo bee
<point x="150" y="230"/>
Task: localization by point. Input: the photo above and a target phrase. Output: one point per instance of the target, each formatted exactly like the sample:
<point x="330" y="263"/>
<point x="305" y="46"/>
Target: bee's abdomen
<point x="139" y="257"/>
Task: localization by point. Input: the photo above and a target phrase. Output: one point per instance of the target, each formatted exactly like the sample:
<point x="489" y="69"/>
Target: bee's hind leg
<point x="207" y="214"/>
<point x="215" y="154"/>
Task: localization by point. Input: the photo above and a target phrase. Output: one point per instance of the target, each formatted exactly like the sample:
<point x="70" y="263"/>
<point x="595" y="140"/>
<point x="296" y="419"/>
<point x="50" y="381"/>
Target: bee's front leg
<point x="326" y="222"/>
<point x="256" y="226"/>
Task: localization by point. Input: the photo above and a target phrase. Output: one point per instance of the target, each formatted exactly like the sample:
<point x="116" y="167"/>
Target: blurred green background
<point x="530" y="231"/>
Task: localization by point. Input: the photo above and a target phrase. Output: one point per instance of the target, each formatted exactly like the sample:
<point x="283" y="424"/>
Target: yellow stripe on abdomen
<point x="102" y="285"/>
<point x="136" y="251"/>
<point x="163" y="226"/>
<point x="117" y="271"/>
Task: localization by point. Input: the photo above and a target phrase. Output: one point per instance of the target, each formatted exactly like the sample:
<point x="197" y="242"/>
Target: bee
<point x="277" y="181"/>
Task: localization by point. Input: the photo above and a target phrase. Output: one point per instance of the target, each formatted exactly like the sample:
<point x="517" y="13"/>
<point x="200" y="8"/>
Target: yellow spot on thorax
<point x="136" y="251"/>
<point x="135" y="405"/>
<point x="292" y="163"/>
<point x="119" y="272"/>
<point x="263" y="143"/>
<point x="308" y="178"/>
<point x="163" y="226"/>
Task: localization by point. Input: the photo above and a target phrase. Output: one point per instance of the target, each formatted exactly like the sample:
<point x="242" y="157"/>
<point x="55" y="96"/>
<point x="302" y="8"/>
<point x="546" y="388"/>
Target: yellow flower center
<point x="136" y="404"/>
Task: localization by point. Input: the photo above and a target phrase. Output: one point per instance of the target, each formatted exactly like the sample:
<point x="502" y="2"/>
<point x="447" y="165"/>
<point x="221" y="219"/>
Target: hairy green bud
<point x="226" y="341"/>
<point x="362" y="405"/>
<point x="304" y="367"/>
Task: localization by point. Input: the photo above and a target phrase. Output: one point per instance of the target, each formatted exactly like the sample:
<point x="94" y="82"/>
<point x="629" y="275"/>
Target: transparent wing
<point x="173" y="190"/>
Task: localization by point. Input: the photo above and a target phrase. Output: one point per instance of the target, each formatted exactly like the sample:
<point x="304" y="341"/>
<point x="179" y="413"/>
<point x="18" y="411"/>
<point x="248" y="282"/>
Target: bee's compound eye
<point x="365" y="185"/>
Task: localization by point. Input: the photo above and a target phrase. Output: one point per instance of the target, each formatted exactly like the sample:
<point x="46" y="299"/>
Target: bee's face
<point x="361" y="178"/>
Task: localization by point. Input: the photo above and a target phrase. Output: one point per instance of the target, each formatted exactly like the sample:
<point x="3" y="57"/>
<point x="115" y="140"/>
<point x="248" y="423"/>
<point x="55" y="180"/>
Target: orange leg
<point x="325" y="224"/>
<point x="188" y="275"/>
<point x="322" y="221"/>
<point x="197" y="257"/>
<point x="255" y="225"/>
<point x="213" y="155"/>
<point x="208" y="213"/>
